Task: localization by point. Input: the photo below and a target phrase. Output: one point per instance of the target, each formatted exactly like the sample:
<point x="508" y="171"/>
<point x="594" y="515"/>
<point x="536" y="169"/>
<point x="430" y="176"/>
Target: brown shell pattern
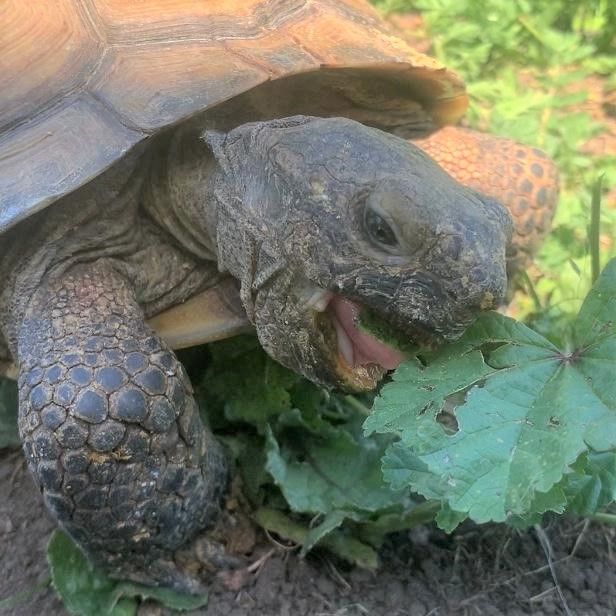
<point x="83" y="81"/>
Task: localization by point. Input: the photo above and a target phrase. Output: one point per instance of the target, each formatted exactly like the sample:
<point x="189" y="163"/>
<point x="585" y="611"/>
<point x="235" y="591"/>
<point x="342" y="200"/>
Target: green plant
<point x="529" y="427"/>
<point x="85" y="590"/>
<point x="312" y="474"/>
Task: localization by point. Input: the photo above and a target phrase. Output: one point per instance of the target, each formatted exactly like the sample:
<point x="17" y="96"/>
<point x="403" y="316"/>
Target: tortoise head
<point x="319" y="218"/>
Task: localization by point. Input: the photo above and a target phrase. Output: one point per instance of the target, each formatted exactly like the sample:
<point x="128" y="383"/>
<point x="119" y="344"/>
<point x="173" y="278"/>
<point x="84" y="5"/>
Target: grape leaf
<point x="529" y="411"/>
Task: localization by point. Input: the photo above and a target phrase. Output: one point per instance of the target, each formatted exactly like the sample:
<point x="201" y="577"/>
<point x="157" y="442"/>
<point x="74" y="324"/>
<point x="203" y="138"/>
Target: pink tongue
<point x="366" y="348"/>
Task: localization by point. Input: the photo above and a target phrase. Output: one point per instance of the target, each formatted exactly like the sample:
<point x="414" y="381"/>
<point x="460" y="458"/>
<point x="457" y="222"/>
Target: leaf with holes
<point x="524" y="412"/>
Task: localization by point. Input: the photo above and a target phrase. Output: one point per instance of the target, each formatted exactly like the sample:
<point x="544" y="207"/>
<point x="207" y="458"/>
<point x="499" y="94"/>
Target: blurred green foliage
<point x="481" y="38"/>
<point x="297" y="446"/>
<point x="532" y="68"/>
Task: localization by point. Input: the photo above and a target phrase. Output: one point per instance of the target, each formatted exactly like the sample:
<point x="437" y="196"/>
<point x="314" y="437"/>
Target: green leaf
<point x="333" y="470"/>
<point x="87" y="591"/>
<point x="596" y="322"/>
<point x="529" y="412"/>
<point x="331" y="521"/>
<point x="553" y="500"/>
<point x="593" y="485"/>
<point x="251" y="462"/>
<point x="402" y="467"/>
<point x="374" y="531"/>
<point x="245" y="382"/>
<point x="342" y="544"/>
<point x="417" y="392"/>
<point x="169" y="598"/>
<point x="448" y="520"/>
<point x="9" y="435"/>
<point x="334" y="473"/>
<point x="84" y="589"/>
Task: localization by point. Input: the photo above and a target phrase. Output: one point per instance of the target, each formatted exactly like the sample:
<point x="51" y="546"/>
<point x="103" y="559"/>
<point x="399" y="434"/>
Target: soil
<point x="563" y="567"/>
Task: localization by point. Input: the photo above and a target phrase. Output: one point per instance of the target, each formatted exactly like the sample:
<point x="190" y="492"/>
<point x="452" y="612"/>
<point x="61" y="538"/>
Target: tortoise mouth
<point x="358" y="359"/>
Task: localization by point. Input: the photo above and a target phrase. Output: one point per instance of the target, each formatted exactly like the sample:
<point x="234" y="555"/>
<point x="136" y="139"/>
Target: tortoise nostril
<point x="489" y="301"/>
<point x="491" y="296"/>
<point x="486" y="287"/>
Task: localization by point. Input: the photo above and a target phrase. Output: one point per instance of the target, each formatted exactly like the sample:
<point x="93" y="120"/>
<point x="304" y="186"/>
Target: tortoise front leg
<point x="522" y="178"/>
<point x="111" y="430"/>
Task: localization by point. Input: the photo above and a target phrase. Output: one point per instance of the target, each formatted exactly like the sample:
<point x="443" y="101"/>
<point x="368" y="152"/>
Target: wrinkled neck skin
<point x="179" y="192"/>
<point x="281" y="206"/>
<point x="203" y="193"/>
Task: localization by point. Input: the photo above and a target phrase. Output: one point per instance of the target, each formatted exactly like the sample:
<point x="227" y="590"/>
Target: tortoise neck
<point x="178" y="193"/>
<point x="201" y="195"/>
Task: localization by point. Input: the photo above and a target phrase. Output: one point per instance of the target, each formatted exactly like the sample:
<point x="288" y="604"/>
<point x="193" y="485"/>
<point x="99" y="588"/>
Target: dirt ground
<point x="487" y="571"/>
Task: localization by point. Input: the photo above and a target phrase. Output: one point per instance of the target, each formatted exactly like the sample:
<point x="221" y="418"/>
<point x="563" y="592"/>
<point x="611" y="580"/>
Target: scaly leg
<point x="111" y="430"/>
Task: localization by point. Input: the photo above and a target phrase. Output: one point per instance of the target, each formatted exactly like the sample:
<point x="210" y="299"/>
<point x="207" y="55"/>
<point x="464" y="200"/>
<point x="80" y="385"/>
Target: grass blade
<point x="595" y="229"/>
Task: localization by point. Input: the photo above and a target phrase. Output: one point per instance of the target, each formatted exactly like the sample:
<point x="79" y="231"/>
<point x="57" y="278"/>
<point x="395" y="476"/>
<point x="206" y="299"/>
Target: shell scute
<point x="84" y="81"/>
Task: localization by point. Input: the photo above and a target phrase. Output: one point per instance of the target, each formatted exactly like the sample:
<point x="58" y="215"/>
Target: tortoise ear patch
<point x="215" y="140"/>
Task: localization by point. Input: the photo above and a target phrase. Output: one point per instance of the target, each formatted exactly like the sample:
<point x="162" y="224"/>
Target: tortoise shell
<point x="84" y="81"/>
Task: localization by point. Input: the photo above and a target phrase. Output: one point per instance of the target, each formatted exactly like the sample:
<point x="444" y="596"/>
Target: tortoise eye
<point x="378" y="229"/>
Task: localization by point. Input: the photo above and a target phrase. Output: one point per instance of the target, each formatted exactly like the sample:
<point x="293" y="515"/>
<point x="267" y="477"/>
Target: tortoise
<point x="209" y="166"/>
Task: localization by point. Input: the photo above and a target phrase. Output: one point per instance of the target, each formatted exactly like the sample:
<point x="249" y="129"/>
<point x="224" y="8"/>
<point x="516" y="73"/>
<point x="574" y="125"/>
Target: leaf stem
<point x="357" y="405"/>
<point x="604" y="518"/>
<point x="531" y="291"/>
<point x="530" y="28"/>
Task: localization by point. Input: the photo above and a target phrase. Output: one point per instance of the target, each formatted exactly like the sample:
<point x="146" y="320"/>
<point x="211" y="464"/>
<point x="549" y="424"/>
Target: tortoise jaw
<point x="357" y="359"/>
<point x="342" y="373"/>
